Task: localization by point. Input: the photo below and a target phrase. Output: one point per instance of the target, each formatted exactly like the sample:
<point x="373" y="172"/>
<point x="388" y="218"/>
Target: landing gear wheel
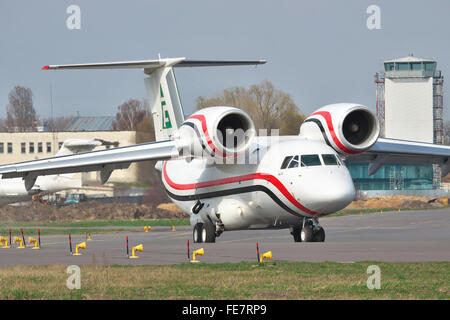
<point x="296" y="234"/>
<point x="197" y="233"/>
<point x="306" y="235"/>
<point x="319" y="235"/>
<point x="208" y="234"/>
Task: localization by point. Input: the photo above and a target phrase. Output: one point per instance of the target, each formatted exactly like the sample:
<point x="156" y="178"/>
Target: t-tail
<point x="164" y="99"/>
<point x="71" y="146"/>
<point x="54" y="183"/>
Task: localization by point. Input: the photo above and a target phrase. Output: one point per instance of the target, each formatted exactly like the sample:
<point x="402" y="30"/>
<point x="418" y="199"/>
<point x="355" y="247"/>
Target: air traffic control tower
<point x="410" y="100"/>
<point x="409" y="106"/>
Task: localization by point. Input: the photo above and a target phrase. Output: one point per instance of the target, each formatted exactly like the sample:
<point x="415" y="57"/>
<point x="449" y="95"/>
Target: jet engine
<point x="220" y="132"/>
<point x="347" y="128"/>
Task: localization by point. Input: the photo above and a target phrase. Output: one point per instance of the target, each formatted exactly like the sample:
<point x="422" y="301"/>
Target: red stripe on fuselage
<point x="327" y="116"/>
<point x="252" y="176"/>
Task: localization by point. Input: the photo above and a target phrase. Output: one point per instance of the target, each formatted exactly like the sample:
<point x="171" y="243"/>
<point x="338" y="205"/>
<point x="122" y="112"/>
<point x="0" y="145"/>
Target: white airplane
<point x="14" y="190"/>
<point x="217" y="170"/>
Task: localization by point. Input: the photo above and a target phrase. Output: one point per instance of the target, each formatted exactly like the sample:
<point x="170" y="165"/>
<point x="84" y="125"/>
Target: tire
<point x="208" y="233"/>
<point x="197" y="233"/>
<point x="296" y="234"/>
<point x="319" y="235"/>
<point x="306" y="235"/>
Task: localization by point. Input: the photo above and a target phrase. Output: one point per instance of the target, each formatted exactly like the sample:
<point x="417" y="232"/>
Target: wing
<point x="402" y="151"/>
<point x="104" y="161"/>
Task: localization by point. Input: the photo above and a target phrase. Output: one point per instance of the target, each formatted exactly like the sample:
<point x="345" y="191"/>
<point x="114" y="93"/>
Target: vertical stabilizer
<point x="165" y="103"/>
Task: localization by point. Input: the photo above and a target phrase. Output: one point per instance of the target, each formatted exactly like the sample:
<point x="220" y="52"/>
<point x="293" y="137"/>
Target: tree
<point x="130" y="114"/>
<point x="155" y="194"/>
<point x="268" y="107"/>
<point x="20" y="114"/>
<point x="133" y="116"/>
<point x="447" y="133"/>
<point x="3" y="127"/>
<point x="146" y="171"/>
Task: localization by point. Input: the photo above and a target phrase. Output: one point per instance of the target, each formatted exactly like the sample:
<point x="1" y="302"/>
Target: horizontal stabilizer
<point x="154" y="64"/>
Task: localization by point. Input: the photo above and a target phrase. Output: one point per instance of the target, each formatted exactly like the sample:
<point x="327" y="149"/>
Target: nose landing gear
<point x="311" y="231"/>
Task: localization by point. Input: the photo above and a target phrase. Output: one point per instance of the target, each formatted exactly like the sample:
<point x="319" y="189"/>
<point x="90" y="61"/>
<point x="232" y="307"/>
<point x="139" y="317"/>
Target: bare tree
<point x="447" y="133"/>
<point x="130" y="114"/>
<point x="3" y="127"/>
<point x="20" y="114"/>
<point x="147" y="173"/>
<point x="268" y="107"/>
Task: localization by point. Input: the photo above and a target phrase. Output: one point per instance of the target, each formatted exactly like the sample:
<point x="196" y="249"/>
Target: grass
<point x="77" y="227"/>
<point x="54" y="228"/>
<point x="34" y="231"/>
<point x="347" y="212"/>
<point x="99" y="223"/>
<point x="245" y="280"/>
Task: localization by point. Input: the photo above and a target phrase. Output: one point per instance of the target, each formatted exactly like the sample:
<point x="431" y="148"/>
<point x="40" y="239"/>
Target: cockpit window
<point x="310" y="160"/>
<point x="285" y="162"/>
<point x="329" y="160"/>
<point x="294" y="162"/>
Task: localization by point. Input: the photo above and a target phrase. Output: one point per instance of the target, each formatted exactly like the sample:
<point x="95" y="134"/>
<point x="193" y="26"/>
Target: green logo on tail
<point x="165" y="113"/>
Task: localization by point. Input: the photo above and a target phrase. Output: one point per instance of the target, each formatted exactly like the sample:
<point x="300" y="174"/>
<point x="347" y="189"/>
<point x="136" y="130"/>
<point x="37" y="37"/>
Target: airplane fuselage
<point x="262" y="194"/>
<point x="13" y="190"/>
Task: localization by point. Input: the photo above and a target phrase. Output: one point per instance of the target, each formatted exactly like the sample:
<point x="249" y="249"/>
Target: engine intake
<point x="219" y="131"/>
<point x="358" y="128"/>
<point x="348" y="128"/>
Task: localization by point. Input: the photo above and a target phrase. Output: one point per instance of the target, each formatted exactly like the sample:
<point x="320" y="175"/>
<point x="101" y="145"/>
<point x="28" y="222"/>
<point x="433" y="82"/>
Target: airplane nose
<point x="329" y="192"/>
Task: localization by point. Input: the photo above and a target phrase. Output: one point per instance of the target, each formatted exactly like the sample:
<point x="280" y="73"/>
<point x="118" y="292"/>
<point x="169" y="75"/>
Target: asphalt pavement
<point x="406" y="236"/>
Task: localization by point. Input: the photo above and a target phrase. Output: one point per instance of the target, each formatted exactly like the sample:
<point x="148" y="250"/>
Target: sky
<point x="320" y="52"/>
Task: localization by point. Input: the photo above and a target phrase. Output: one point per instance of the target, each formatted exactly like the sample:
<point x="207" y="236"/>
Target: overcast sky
<point x="320" y="52"/>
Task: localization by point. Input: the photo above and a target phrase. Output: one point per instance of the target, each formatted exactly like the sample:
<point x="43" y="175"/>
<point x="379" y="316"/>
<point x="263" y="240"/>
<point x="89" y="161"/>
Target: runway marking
<point x="259" y="238"/>
<point x="422" y="222"/>
<point x="52" y="243"/>
<point x="171" y="235"/>
<point x="66" y="242"/>
<point x="354" y="229"/>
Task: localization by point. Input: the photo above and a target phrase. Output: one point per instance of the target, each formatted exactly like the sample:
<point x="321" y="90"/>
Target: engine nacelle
<point x="347" y="128"/>
<point x="220" y="132"/>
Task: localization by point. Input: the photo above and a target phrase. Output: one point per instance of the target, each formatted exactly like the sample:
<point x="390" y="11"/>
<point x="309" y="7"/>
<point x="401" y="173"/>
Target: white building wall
<point x="409" y="109"/>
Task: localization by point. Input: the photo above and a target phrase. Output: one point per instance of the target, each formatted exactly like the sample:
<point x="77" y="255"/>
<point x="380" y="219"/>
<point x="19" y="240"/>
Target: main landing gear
<point x="204" y="232"/>
<point x="311" y="231"/>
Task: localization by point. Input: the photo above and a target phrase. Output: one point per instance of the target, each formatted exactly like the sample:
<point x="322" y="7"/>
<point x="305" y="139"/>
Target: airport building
<point x="409" y="106"/>
<point x="24" y="146"/>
